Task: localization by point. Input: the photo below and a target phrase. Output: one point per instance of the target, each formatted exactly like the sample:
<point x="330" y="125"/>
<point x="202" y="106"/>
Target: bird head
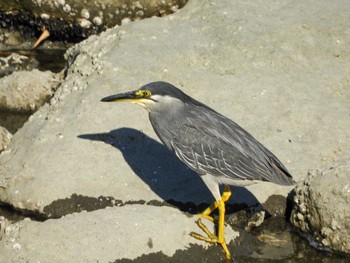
<point x="152" y="96"/>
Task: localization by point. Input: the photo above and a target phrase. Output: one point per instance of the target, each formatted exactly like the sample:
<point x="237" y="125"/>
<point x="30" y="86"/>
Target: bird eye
<point x="147" y="93"/>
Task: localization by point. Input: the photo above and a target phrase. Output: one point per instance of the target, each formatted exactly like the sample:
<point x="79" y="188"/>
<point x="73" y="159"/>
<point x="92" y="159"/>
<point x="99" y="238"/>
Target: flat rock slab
<point x="104" y="235"/>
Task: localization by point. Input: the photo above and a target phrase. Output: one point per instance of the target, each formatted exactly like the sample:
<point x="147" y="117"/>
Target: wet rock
<point x="276" y="205"/>
<point x="112" y="11"/>
<point x="276" y="243"/>
<point x="15" y="62"/>
<point x="5" y="138"/>
<point x="268" y="242"/>
<point x="322" y="207"/>
<point x="28" y="59"/>
<point x="74" y="21"/>
<point x="26" y="91"/>
<point x="256" y="220"/>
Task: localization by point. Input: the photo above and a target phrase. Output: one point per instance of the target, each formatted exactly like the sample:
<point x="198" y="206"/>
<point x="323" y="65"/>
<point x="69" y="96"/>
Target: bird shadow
<point x="164" y="173"/>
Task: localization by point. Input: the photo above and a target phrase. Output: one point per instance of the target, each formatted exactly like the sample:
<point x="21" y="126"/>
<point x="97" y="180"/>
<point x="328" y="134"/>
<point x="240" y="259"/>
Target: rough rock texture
<point x="322" y="208"/>
<point x="5" y="138"/>
<point x="16" y="62"/>
<point x="107" y="12"/>
<point x="104" y="237"/>
<point x="279" y="70"/>
<point x="70" y="20"/>
<point x="28" y="90"/>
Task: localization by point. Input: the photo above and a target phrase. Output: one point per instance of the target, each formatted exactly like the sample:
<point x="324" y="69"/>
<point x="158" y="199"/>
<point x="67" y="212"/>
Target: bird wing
<point x="214" y="144"/>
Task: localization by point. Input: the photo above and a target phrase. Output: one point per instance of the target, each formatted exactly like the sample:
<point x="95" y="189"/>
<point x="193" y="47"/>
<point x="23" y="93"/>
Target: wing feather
<point x="210" y="143"/>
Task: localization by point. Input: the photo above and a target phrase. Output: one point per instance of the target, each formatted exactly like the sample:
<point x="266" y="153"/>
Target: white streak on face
<point x="166" y="100"/>
<point x="146" y="103"/>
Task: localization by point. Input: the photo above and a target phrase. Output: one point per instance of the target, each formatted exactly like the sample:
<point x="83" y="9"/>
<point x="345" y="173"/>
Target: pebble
<point x="67" y="8"/>
<point x="16" y="246"/>
<point x="45" y="16"/>
<point x="85" y="13"/>
<point x="84" y="23"/>
<point x="97" y="20"/>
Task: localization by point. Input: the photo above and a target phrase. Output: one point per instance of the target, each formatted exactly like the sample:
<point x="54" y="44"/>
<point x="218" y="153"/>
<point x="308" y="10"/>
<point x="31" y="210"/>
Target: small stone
<point x="334" y="225"/>
<point x="45" y="16"/>
<point x="256" y="220"/>
<point x="97" y="20"/>
<point x="84" y="23"/>
<point x="5" y="138"/>
<point x="85" y="13"/>
<point x="300" y="217"/>
<point x="16" y="246"/>
<point x="140" y="13"/>
<point x="126" y="21"/>
<point x="67" y="8"/>
<point x="60" y="2"/>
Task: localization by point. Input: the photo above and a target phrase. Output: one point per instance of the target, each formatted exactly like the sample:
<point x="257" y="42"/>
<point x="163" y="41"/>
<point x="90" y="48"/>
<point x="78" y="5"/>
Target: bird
<point x="212" y="145"/>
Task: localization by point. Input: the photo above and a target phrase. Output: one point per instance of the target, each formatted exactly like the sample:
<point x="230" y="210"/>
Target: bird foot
<point x="220" y="237"/>
<point x="202" y="215"/>
<point x="212" y="238"/>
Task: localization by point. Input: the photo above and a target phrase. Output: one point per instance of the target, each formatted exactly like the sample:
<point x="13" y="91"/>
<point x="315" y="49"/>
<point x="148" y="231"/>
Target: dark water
<point x="276" y="241"/>
<point x="41" y="59"/>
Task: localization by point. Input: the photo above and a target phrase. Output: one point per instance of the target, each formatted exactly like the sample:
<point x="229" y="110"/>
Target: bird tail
<point x="284" y="177"/>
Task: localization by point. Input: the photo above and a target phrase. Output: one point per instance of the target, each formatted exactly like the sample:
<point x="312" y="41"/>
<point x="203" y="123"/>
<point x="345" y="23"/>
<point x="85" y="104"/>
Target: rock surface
<point x="279" y="70"/>
<point x="322" y="208"/>
<point x="71" y="21"/>
<point x="26" y="91"/>
<point x="106" y="12"/>
<point x="5" y="138"/>
<point x="104" y="237"/>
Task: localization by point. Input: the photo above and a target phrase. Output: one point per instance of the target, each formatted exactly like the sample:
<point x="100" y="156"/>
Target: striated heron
<point x="215" y="147"/>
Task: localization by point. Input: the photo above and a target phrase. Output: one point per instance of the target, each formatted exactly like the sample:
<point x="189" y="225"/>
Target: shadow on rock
<point x="164" y="173"/>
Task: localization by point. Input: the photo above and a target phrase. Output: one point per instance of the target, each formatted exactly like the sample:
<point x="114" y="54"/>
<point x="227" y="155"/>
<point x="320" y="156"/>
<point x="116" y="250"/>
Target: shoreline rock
<point x="322" y="208"/>
<point x="103" y="235"/>
<point x="26" y="91"/>
<point x="5" y="138"/>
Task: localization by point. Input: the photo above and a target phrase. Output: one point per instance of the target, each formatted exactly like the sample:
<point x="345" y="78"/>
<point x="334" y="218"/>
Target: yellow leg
<point x="220" y="237"/>
<point x="206" y="213"/>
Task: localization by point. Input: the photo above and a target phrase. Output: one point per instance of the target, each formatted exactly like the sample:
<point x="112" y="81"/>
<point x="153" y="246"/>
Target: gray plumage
<point x="208" y="142"/>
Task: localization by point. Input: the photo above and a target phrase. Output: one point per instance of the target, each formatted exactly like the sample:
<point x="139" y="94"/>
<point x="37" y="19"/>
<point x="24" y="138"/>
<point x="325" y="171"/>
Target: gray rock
<point x="322" y="208"/>
<point x="5" y="138"/>
<point x="101" y="236"/>
<point x="26" y="91"/>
